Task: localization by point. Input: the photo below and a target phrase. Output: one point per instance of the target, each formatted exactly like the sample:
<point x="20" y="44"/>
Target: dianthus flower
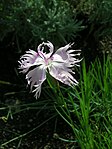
<point x="59" y="64"/>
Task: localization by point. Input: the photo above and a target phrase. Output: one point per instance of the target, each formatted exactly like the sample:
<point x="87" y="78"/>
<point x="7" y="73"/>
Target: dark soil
<point x="44" y="137"/>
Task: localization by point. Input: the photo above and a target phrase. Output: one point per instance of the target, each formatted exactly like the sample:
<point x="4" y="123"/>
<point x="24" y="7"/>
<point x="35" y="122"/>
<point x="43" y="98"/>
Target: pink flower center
<point x="48" y="60"/>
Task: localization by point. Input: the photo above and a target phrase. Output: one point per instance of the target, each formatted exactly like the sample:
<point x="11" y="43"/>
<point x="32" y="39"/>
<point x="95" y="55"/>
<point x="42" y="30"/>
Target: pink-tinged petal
<point x="27" y="60"/>
<point x="31" y="58"/>
<point x="68" y="56"/>
<point x="37" y="90"/>
<point x="24" y="66"/>
<point x="57" y="59"/>
<point x="48" y="53"/>
<point x="63" y="76"/>
<point x="63" y="51"/>
<point x="35" y="78"/>
<point x="50" y="45"/>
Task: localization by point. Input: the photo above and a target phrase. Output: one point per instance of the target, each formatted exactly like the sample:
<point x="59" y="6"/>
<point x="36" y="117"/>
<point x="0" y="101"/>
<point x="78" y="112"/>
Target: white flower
<point x="36" y="64"/>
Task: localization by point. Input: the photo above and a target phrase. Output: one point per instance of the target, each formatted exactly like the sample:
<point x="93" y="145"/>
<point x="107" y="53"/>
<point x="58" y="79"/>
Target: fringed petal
<point x="63" y="76"/>
<point x="63" y="51"/>
<point x="35" y="78"/>
<point x="27" y="60"/>
<point x="68" y="55"/>
<point x="41" y="49"/>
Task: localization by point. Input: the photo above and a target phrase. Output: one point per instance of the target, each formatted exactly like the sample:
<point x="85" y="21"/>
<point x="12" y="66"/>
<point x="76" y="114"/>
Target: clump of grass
<point x="87" y="108"/>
